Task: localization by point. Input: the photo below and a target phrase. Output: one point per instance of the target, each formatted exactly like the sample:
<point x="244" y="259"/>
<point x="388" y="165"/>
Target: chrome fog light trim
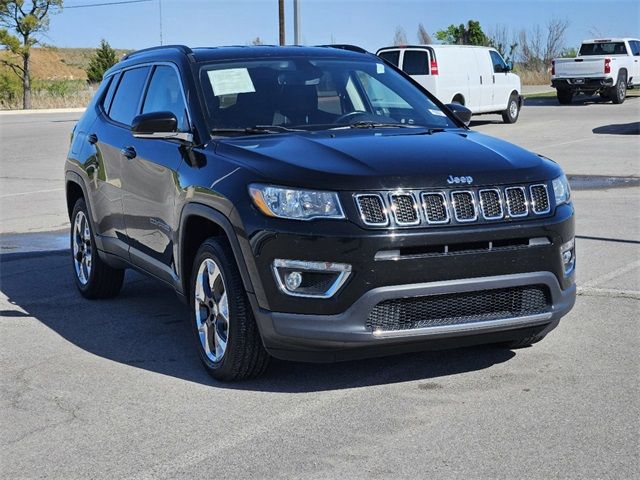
<point x="283" y="269"/>
<point x="568" y="256"/>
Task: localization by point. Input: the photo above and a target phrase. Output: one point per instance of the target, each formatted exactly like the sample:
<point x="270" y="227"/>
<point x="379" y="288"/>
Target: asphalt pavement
<point x="113" y="389"/>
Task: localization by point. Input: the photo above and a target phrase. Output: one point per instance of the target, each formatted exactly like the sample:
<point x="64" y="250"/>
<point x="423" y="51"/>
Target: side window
<point x="127" y="98"/>
<point x="393" y="56"/>
<point x="108" y="97"/>
<point x="165" y="95"/>
<point x="415" y="62"/>
<point x="499" y="66"/>
<point x="635" y="48"/>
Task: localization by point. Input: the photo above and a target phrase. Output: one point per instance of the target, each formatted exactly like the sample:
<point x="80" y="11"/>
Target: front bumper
<point x="314" y="337"/>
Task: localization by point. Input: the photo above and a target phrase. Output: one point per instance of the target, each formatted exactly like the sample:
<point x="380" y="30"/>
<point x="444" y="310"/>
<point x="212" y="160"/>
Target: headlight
<point x="295" y="204"/>
<point x="561" y="190"/>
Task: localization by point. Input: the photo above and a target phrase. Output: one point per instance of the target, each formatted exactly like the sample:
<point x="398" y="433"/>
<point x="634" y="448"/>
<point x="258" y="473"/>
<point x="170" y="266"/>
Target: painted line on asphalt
<point x="611" y="275"/>
<point x="31" y="193"/>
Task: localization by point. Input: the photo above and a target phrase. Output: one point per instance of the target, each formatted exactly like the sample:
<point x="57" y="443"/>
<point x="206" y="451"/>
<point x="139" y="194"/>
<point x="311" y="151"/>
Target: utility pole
<point x="296" y="22"/>
<point x="160" y="11"/>
<point x="281" y="20"/>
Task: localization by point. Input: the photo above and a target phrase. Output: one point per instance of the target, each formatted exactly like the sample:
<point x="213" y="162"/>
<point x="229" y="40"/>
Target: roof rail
<point x="345" y="46"/>
<point x="182" y="48"/>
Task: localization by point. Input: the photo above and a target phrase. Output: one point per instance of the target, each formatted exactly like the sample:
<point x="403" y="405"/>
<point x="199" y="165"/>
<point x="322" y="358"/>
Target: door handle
<point x="129" y="152"/>
<point x="92" y="138"/>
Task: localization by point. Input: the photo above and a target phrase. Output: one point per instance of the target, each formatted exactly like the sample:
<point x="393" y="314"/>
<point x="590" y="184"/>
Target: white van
<point x="476" y="77"/>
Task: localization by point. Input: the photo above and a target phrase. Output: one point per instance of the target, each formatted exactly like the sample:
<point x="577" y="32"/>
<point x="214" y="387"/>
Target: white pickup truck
<point x="606" y="66"/>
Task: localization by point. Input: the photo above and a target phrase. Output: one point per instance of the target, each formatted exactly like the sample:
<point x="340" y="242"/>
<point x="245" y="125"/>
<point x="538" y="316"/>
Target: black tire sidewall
<point x="615" y="96"/>
<point x="508" y="117"/>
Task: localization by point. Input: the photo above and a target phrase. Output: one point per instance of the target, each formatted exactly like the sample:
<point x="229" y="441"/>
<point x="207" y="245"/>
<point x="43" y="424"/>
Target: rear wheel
<point x="564" y="96"/>
<point x="94" y="278"/>
<point x="222" y="321"/>
<point x="510" y="115"/>
<point x="619" y="91"/>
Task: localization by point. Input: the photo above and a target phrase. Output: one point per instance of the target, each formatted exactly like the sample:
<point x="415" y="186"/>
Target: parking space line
<point x="31" y="193"/>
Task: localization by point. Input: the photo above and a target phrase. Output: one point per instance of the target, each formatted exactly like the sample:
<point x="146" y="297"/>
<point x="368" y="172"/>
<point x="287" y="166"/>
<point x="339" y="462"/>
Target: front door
<point x="150" y="184"/>
<point x="502" y="85"/>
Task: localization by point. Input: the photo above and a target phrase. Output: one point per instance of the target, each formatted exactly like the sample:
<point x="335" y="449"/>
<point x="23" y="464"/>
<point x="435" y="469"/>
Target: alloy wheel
<point x="211" y="310"/>
<point x="82" y="251"/>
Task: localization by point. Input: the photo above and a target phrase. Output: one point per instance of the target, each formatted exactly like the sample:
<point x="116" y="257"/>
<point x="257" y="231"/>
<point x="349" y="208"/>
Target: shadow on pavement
<point x="144" y="327"/>
<point x="632" y="128"/>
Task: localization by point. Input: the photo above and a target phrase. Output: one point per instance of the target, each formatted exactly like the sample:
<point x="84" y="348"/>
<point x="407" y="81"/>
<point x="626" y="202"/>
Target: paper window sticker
<point x="230" y="81"/>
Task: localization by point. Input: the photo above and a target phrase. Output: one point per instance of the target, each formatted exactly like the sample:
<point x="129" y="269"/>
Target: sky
<point x="368" y="23"/>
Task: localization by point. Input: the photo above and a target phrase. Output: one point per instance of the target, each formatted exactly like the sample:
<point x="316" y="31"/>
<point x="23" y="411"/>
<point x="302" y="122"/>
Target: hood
<point x="354" y="160"/>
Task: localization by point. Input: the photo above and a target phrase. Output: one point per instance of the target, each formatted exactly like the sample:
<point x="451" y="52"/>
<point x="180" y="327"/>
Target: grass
<point x="551" y="95"/>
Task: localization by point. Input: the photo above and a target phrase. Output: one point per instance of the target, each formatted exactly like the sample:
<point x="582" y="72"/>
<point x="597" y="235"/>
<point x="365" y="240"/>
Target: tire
<point x="619" y="91"/>
<point x="522" y="342"/>
<point x="221" y="319"/>
<point x="564" y="96"/>
<point x="94" y="278"/>
<point x="512" y="112"/>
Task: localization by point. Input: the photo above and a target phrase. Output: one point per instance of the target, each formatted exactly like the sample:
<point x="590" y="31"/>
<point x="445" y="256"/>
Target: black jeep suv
<point x="314" y="203"/>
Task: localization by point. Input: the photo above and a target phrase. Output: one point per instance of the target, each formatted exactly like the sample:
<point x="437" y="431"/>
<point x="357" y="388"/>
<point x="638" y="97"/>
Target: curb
<point x="41" y="110"/>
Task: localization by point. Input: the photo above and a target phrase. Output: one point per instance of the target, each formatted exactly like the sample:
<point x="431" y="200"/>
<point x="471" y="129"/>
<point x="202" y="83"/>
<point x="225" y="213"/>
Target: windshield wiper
<point x="255" y="130"/>
<point x="370" y="124"/>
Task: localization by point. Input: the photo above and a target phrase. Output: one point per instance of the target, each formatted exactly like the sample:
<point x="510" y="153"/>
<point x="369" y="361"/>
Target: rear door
<point x="109" y="134"/>
<point x="150" y="184"/>
<point x="417" y="63"/>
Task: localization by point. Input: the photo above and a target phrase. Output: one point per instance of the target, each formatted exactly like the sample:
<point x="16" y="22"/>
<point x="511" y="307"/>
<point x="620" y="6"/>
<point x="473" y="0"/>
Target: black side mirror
<point x="159" y="125"/>
<point x="509" y="66"/>
<point x="461" y="112"/>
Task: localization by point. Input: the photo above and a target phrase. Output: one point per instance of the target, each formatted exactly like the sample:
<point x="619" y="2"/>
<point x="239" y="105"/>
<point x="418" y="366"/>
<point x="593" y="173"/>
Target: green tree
<point x="102" y="60"/>
<point x="471" y="34"/>
<point x="21" y="23"/>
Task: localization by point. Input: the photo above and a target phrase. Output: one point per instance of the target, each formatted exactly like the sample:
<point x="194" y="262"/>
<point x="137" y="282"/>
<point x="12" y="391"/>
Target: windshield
<point x="313" y="94"/>
<point x="603" y="48"/>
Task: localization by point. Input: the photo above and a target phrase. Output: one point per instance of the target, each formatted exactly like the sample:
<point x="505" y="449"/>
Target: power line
<point x="105" y="4"/>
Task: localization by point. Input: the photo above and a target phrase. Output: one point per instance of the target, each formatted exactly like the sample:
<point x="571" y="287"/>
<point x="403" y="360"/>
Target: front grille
<point x="516" y="201"/>
<point x="459" y="308"/>
<point x="539" y="198"/>
<point x="372" y="211"/>
<point x="464" y="207"/>
<point x="405" y="209"/>
<point x="435" y="207"/>
<point x="491" y="204"/>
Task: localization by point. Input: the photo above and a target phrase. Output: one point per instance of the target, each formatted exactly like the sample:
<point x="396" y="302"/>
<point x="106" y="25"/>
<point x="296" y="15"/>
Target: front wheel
<point x="564" y="96"/>
<point x="510" y="115"/>
<point x="222" y="321"/>
<point x="94" y="278"/>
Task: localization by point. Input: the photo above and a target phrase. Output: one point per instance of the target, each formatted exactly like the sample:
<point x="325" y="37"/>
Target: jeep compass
<point x="313" y="204"/>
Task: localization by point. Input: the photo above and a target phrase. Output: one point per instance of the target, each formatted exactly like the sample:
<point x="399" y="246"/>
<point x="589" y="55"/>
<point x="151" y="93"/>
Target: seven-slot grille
<point x="435" y="207"/>
<point x="459" y="308"/>
<point x="372" y="209"/>
<point x="404" y="208"/>
<point x="464" y="206"/>
<point x="412" y="208"/>
<point x="539" y="198"/>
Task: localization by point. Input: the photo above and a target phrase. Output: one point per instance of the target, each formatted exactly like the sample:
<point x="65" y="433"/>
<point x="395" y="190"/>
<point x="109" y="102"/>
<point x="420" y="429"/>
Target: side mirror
<point x="509" y="66"/>
<point x="461" y="112"/>
<point x="158" y="125"/>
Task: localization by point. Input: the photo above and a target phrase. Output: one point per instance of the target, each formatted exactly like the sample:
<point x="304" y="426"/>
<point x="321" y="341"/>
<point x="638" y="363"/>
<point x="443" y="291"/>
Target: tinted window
<point x="392" y="56"/>
<point x="165" y="95"/>
<point x="603" y="48"/>
<point x="112" y="81"/>
<point x="127" y="98"/>
<point x="416" y="62"/>
<point x="498" y="63"/>
<point x="635" y="48"/>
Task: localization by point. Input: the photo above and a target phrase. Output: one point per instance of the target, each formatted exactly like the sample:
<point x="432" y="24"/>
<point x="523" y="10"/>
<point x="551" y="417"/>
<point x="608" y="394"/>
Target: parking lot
<point x="114" y="389"/>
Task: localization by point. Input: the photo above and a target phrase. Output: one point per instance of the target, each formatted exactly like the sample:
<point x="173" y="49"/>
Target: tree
<point x="102" y="60"/>
<point x="503" y="42"/>
<point x="27" y="20"/>
<point x="400" y="37"/>
<point x="423" y="36"/>
<point x="472" y="34"/>
<point x="539" y="46"/>
<point x="257" y="41"/>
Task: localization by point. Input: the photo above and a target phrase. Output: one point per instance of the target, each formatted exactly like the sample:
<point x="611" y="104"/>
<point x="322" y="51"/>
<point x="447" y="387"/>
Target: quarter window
<point x="165" y="95"/>
<point x="127" y="98"/>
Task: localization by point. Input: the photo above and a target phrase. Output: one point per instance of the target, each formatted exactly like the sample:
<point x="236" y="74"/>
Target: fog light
<point x="300" y="278"/>
<point x="293" y="280"/>
<point x="568" y="255"/>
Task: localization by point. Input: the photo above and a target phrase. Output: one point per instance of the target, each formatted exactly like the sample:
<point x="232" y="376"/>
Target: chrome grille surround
<point x="404" y="208"/>
<point x="368" y="204"/>
<point x="431" y="210"/>
<point x="516" y="207"/>
<point x="462" y="201"/>
<point x="487" y="205"/>
<point x="539" y="197"/>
